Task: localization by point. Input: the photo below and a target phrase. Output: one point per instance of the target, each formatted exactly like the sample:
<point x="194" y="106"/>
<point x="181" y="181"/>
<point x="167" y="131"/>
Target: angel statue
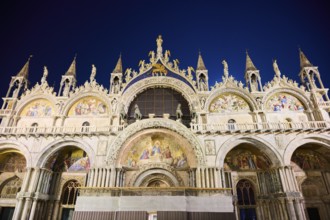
<point x="128" y="74"/>
<point x="190" y="70"/>
<point x="167" y="55"/>
<point x="141" y="64"/>
<point x="225" y="68"/>
<point x="44" y="76"/>
<point x="93" y="73"/>
<point x="152" y="56"/>
<point x="176" y="62"/>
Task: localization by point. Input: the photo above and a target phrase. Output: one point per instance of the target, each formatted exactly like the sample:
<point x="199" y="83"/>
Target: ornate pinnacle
<point x="249" y="64"/>
<point x="24" y="72"/>
<point x="200" y="63"/>
<point x="304" y="62"/>
<point x="119" y="66"/>
<point x="72" y="69"/>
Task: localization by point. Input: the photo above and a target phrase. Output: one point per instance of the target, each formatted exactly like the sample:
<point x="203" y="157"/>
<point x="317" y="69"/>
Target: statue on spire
<point x="44" y="76"/>
<point x="225" y="68"/>
<point x="93" y="73"/>
<point x="276" y="69"/>
<point x="159" y="42"/>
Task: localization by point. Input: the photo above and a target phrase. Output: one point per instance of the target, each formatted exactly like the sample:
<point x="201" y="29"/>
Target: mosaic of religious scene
<point x="88" y="106"/>
<point x="241" y="159"/>
<point x="69" y="160"/>
<point x="229" y="103"/>
<point x="12" y="162"/>
<point x="153" y="149"/>
<point x="38" y="108"/>
<point x="309" y="160"/>
<point x="282" y="102"/>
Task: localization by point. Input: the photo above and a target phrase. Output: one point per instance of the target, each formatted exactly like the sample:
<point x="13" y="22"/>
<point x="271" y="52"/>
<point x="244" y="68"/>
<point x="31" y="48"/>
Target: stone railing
<point x="5" y="112"/>
<point x="324" y="104"/>
<point x="260" y="127"/>
<point x="81" y="130"/>
<point x="152" y="191"/>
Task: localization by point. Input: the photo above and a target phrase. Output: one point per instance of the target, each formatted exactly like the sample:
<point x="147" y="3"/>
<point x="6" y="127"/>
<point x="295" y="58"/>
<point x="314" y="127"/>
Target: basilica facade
<point x="161" y="143"/>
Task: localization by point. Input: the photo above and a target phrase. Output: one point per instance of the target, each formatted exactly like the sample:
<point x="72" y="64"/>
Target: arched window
<point x="11" y="188"/>
<point x="246" y="202"/>
<point x="34" y="127"/>
<point x="232" y="124"/>
<point x="85" y="126"/>
<point x="160" y="101"/>
<point x="70" y="193"/>
<point x="69" y="197"/>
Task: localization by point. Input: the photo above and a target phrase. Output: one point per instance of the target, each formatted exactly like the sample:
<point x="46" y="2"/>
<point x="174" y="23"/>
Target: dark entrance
<point x="313" y="213"/>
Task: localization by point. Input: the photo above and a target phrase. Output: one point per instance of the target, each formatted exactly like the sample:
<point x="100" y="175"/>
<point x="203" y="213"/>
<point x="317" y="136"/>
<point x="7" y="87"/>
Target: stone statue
<point x="159" y="42"/>
<point x="66" y="89"/>
<point x="123" y="114"/>
<point x="114" y="105"/>
<point x="176" y="62"/>
<point x="190" y="70"/>
<point x="152" y="56"/>
<point x="225" y="68"/>
<point x="167" y="55"/>
<point x="44" y="76"/>
<point x="142" y="66"/>
<point x="202" y="85"/>
<point x="93" y="73"/>
<point x="276" y="69"/>
<point x="178" y="112"/>
<point x="137" y="112"/>
<point x="128" y="74"/>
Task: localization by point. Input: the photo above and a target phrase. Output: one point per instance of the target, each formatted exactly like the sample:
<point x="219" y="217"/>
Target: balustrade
<point x="255" y="127"/>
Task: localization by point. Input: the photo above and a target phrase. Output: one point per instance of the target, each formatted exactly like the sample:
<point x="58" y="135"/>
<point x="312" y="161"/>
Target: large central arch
<point x="165" y="82"/>
<point x="117" y="147"/>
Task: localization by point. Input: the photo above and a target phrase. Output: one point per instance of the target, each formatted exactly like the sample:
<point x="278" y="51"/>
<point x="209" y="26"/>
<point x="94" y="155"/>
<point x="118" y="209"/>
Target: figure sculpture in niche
<point x="123" y="114"/>
<point x="137" y="112"/>
<point x="178" y="112"/>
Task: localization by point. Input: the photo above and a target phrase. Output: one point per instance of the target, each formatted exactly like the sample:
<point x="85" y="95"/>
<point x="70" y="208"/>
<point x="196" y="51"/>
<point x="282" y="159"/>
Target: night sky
<point x="98" y="31"/>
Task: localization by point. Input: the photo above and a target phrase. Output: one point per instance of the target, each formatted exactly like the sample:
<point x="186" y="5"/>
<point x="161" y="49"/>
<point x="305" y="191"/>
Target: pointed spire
<point x="200" y="62"/>
<point x="119" y="66"/>
<point x="304" y="62"/>
<point x="72" y="69"/>
<point x="24" y="72"/>
<point x="249" y="64"/>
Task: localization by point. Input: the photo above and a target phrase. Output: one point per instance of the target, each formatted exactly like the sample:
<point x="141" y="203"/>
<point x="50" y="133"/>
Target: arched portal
<point x="311" y="166"/>
<point x="12" y="171"/>
<point x="157" y="157"/>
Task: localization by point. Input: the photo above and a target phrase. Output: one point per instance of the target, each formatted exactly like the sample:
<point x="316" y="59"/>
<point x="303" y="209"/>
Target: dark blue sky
<point x="98" y="31"/>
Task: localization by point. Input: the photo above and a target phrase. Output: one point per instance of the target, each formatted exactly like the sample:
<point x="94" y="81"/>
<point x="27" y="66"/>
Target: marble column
<point x="291" y="210"/>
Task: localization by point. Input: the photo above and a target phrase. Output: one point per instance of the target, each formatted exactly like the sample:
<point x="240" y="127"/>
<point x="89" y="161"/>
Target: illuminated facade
<point x="162" y="142"/>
